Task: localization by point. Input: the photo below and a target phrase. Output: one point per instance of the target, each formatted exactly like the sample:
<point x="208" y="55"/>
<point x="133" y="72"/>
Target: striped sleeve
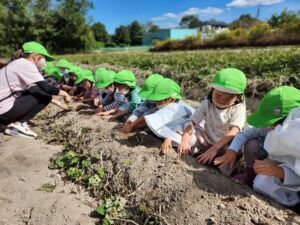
<point x="119" y="99"/>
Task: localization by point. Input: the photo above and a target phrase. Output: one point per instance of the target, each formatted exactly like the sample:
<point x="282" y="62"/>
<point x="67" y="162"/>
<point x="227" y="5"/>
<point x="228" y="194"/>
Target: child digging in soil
<point x="113" y="98"/>
<point x="168" y="121"/>
<point x="272" y="110"/>
<point x="86" y="80"/>
<point x="137" y="118"/>
<point x="125" y="84"/>
<point x="224" y="113"/>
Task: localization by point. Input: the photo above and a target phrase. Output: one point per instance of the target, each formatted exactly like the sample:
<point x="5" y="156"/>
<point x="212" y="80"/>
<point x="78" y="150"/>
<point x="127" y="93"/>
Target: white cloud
<point x="249" y="3"/>
<point x="209" y="11"/>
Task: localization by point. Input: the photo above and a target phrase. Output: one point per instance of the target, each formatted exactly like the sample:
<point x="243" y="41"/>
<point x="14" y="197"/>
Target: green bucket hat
<point x="75" y="69"/>
<point x="167" y="88"/>
<point x="98" y="73"/>
<point x="63" y="63"/>
<point x="53" y="71"/>
<point x="33" y="47"/>
<point x="230" y="80"/>
<point x="106" y="79"/>
<point x="85" y="74"/>
<point x="150" y="83"/>
<point x="274" y="106"/>
<point x="126" y="77"/>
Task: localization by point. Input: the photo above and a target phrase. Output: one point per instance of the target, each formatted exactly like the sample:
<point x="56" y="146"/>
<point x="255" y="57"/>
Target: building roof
<point x="214" y="23"/>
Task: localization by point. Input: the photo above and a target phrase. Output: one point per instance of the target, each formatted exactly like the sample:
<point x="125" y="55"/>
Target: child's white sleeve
<point x="198" y="115"/>
<point x="291" y="178"/>
<point x="238" y="116"/>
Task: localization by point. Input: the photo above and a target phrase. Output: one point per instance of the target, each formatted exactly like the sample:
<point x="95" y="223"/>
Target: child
<point x="69" y="83"/>
<point x="224" y="113"/>
<point x="101" y="91"/>
<point x="52" y="74"/>
<point x="272" y="110"/>
<point x="172" y="113"/>
<point x="86" y="80"/>
<point x="64" y="66"/>
<point x="137" y="118"/>
<point x="105" y="86"/>
<point x="125" y="84"/>
<point x="113" y="99"/>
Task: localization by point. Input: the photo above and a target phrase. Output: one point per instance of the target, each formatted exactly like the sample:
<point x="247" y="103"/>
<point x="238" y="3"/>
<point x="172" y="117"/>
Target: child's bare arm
<point x="211" y="153"/>
<point x="120" y="114"/>
<point x="184" y="146"/>
<point x="107" y="113"/>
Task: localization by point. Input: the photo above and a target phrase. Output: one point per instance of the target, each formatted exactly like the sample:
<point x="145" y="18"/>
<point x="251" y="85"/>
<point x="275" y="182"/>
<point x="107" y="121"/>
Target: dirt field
<point x="177" y="190"/>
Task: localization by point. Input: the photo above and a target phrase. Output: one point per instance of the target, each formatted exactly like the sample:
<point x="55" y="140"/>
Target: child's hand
<point x="228" y="159"/>
<point x="99" y="110"/>
<point x="127" y="128"/>
<point x="166" y="146"/>
<point x="208" y="156"/>
<point x="96" y="101"/>
<point x="184" y="147"/>
<point x="268" y="168"/>
<point x="103" y="114"/>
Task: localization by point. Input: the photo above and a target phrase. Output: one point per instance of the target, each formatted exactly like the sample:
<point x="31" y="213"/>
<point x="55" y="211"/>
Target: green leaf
<point x="47" y="188"/>
<point x="86" y="163"/>
<point x="60" y="161"/>
<point x="94" y="181"/>
<point x="101" y="171"/>
<point x="101" y="210"/>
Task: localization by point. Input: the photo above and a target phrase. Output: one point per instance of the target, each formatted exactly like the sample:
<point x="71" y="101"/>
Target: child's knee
<point x="251" y="146"/>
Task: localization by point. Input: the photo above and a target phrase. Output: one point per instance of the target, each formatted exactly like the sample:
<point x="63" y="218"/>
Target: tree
<point x="100" y="32"/>
<point x="16" y="23"/>
<point x="122" y="35"/>
<point x="42" y="29"/>
<point x="190" y="21"/>
<point x="136" y="33"/>
<point x="245" y="21"/>
<point x="151" y="27"/>
<point x="72" y="33"/>
<point x="284" y="18"/>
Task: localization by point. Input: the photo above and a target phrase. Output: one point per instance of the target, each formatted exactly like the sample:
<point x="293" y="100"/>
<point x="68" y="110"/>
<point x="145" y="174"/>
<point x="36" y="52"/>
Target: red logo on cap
<point x="277" y="111"/>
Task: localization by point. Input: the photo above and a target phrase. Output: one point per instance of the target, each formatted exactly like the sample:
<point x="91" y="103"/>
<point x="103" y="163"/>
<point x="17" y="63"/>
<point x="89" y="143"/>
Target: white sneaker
<point x="23" y="128"/>
<point x="15" y="132"/>
<point x="28" y="129"/>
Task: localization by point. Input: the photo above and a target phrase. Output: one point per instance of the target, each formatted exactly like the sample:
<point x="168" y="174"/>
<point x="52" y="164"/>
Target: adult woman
<point x="23" y="90"/>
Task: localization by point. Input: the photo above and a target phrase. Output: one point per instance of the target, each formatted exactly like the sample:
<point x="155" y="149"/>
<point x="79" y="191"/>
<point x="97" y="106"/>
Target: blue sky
<point x="167" y="13"/>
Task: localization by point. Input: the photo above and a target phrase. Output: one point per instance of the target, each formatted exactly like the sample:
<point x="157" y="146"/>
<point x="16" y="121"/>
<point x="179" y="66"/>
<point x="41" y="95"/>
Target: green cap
<point x="274" y="106"/>
<point x="167" y="88"/>
<point x="106" y="79"/>
<point x="150" y="83"/>
<point x="126" y="77"/>
<point x="98" y="73"/>
<point x="36" y="48"/>
<point x="63" y="63"/>
<point x="75" y="69"/>
<point x="230" y="80"/>
<point x="53" y="71"/>
<point x="85" y="74"/>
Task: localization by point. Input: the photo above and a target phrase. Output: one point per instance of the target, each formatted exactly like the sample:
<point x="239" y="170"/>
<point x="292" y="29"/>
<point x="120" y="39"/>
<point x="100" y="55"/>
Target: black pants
<point x="30" y="103"/>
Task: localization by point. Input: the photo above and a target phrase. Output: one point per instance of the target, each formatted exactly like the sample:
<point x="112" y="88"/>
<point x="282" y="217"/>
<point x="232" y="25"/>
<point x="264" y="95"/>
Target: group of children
<point x="214" y="133"/>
